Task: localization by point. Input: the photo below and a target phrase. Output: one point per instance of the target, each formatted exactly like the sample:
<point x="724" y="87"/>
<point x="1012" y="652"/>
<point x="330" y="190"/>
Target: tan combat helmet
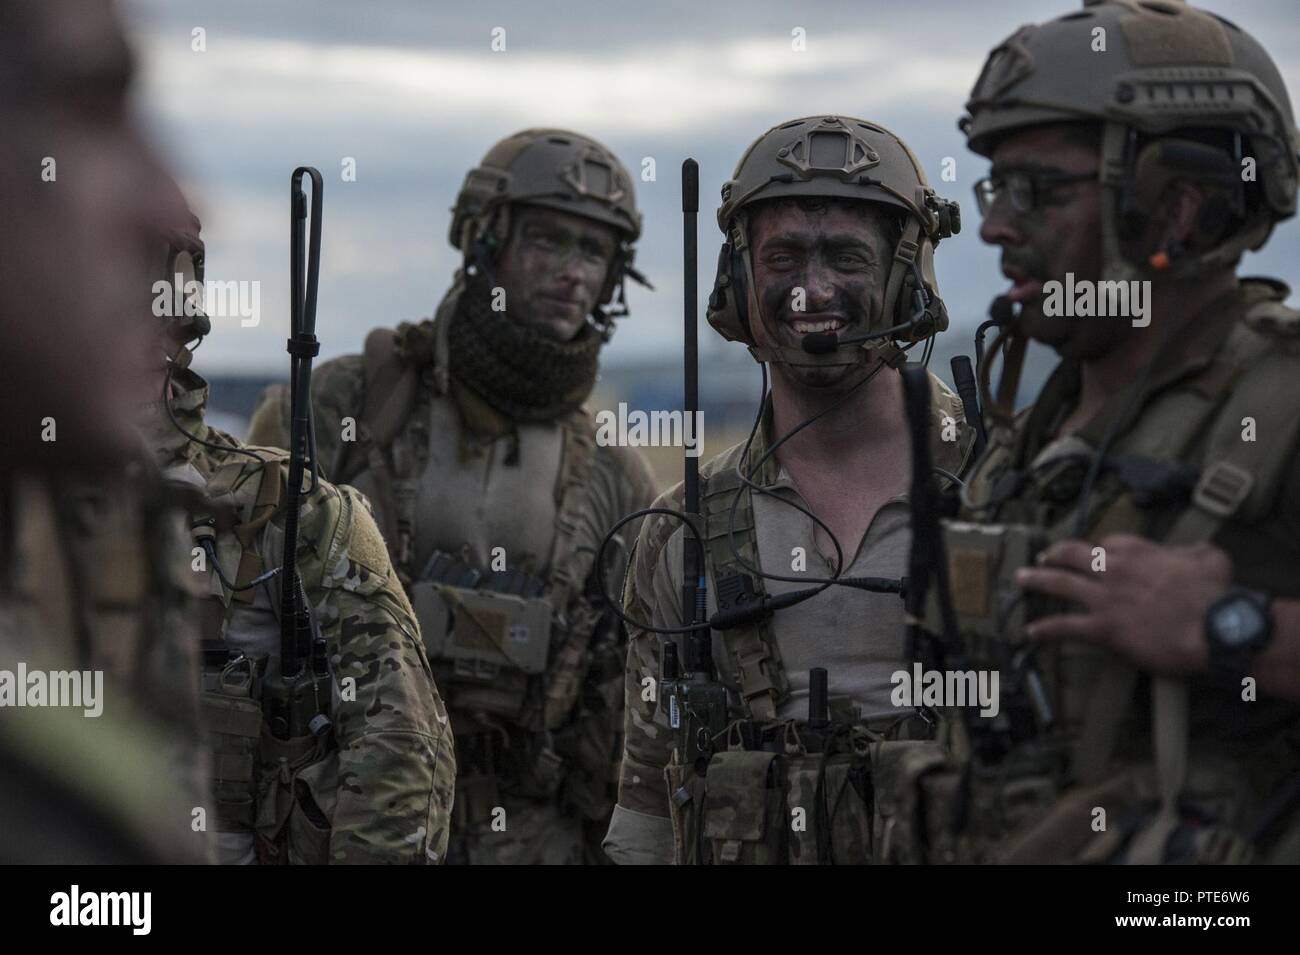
<point x="560" y="170"/>
<point x="1166" y="67"/>
<point x="835" y="157"/>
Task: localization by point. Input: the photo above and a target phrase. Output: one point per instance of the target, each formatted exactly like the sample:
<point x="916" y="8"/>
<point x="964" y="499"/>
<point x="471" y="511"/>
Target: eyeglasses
<point x="1025" y="189"/>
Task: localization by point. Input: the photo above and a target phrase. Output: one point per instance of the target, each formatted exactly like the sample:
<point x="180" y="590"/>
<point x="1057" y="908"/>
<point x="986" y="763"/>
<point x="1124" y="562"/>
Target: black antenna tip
<point x="690" y="186"/>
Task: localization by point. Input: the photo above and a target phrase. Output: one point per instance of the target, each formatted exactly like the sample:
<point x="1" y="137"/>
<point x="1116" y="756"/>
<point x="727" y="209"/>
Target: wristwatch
<point x="1238" y="626"/>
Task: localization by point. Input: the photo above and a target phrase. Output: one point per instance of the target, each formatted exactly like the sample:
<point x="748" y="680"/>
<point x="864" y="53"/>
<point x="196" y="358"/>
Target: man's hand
<point x="1148" y="604"/>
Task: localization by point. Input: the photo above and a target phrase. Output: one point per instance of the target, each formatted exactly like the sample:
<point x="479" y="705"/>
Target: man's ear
<point x="1177" y="219"/>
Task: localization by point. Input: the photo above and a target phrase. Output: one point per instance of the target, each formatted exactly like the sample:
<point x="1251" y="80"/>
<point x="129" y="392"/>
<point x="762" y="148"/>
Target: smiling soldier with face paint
<point x="830" y="230"/>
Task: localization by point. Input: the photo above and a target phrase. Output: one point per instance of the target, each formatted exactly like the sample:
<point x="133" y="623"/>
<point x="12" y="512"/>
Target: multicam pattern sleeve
<point x="396" y="765"/>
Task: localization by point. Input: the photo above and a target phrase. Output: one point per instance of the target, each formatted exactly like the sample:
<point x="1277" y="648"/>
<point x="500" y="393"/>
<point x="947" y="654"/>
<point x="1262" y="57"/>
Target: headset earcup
<point x="740" y="293"/>
<point x="728" y="302"/>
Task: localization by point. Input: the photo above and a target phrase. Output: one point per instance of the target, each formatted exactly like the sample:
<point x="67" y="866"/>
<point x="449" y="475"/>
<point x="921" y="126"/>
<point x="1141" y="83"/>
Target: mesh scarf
<point x="515" y="369"/>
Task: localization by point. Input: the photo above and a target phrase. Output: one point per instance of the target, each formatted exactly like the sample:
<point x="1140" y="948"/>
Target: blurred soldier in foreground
<point x="372" y="781"/>
<point x="468" y="433"/>
<point x="1129" y="554"/>
<point x="100" y="755"/>
<point x="830" y="227"/>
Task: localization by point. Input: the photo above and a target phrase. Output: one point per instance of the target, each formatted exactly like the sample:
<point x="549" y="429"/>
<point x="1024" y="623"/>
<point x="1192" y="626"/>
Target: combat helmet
<point x="557" y="169"/>
<point x="1153" y="73"/>
<point x="835" y="157"/>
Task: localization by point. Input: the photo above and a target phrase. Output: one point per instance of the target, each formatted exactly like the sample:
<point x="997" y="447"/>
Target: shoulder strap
<point x="233" y="481"/>
<point x="390" y="385"/>
<point x="577" y="460"/>
<point x="753" y="650"/>
<point x="391" y="394"/>
<point x="568" y="570"/>
<point x="1238" y="478"/>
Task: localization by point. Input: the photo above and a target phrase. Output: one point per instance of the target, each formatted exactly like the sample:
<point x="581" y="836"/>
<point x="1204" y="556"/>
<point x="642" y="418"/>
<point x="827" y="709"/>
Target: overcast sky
<point x="413" y="91"/>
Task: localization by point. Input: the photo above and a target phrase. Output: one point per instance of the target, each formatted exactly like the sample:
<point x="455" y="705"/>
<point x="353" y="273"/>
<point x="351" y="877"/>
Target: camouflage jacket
<point x="94" y="580"/>
<point x="395" y="765"/>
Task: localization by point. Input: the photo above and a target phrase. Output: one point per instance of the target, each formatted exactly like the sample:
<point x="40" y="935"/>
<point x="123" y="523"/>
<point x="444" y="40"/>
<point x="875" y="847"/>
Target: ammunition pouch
<point x="488" y="643"/>
<point x="957" y="811"/>
<point x="477" y="794"/>
<point x="232" y="715"/>
<point x="990" y="607"/>
<point x="783" y="794"/>
<point x="281" y="793"/>
<point x="741" y="815"/>
<point x="297" y="800"/>
<point x="537" y="695"/>
<point x="493" y="761"/>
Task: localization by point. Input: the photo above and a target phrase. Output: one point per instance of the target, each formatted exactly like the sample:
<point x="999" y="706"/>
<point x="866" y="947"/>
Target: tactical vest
<point x="1031" y="800"/>
<point x="275" y="798"/>
<point x="507" y="649"/>
<point x="775" y="792"/>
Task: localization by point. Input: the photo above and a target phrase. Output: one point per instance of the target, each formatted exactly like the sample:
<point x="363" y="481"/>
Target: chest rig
<point x="764" y="790"/>
<point x="1181" y="468"/>
<point x="510" y="650"/>
<point x="275" y="791"/>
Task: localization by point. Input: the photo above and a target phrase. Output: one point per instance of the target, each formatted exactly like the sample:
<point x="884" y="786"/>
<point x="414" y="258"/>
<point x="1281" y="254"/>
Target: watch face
<point x="1238" y="623"/>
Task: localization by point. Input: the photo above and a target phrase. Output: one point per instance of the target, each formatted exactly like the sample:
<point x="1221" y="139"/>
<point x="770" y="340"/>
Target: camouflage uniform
<point x="829" y="630"/>
<point x="1103" y="738"/>
<point x="763" y="785"/>
<point x="383" y="792"/>
<point x="1093" y="759"/>
<point x="508" y="471"/>
<point x="494" y="520"/>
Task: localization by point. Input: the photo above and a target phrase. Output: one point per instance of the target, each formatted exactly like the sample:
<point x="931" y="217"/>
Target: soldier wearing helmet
<point x="826" y="274"/>
<point x="1138" y="526"/>
<point x="469" y="435"/>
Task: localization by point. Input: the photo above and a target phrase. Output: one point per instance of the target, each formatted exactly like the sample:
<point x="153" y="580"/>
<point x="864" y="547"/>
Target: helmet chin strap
<point x="1113" y="173"/>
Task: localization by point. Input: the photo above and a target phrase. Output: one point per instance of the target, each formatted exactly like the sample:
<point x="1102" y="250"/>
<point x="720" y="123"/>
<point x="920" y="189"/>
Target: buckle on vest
<point x="1223" y="488"/>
